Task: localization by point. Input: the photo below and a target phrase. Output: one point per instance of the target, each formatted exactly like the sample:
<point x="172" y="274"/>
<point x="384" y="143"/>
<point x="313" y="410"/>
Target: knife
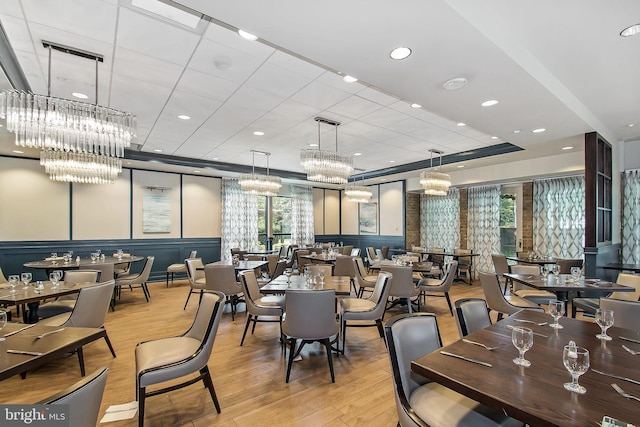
<point x="479" y="362"/>
<point x="629" y="339"/>
<point x="616" y="376"/>
<point x="28" y="353"/>
<point x="534" y="333"/>
<point x="49" y="333"/>
<point x="20" y="330"/>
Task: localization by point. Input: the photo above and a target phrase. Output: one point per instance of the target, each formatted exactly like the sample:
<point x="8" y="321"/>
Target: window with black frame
<point x="280" y="217"/>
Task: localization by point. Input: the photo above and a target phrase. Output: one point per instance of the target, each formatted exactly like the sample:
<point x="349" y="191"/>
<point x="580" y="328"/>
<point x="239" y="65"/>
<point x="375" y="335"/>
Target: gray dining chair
<point x="2" y="278"/>
<point x="310" y="317"/>
<point x="136" y="280"/>
<point x="344" y="267"/>
<point x="566" y="264"/>
<point x="402" y="287"/>
<point x="422" y="403"/>
<point x="107" y="270"/>
<point x="538" y="296"/>
<point x="65" y="303"/>
<point x="260" y="308"/>
<point x="197" y="280"/>
<point x="589" y="306"/>
<point x="501" y="267"/>
<point x="315" y="269"/>
<point x="626" y="314"/>
<point x="472" y="314"/>
<point x="82" y="398"/>
<point x="438" y="288"/>
<point x="497" y="301"/>
<point x="222" y="278"/>
<point x="167" y="359"/>
<point x="180" y="267"/>
<point x="364" y="281"/>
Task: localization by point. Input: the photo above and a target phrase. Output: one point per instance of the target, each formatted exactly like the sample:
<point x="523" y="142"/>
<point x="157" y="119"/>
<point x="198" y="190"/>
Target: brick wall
<point x="527" y="216"/>
<point x="412" y="220"/>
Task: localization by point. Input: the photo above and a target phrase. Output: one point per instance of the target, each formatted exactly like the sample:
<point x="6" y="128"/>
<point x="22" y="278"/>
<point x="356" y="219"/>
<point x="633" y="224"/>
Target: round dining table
<point x="59" y="264"/>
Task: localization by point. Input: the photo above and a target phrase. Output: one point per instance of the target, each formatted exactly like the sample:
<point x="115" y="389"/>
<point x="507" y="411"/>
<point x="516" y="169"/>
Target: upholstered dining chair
<point x="281" y="266"/>
<point x="222" y="278"/>
<point x="372" y="257"/>
<point x="497" y="301"/>
<point x="180" y="267"/>
<point x="2" y="278"/>
<point x="65" y="303"/>
<point x="83" y="398"/>
<point x="300" y="261"/>
<point x="437" y="258"/>
<point x="364" y="281"/>
<point x="136" y="280"/>
<point x="258" y="305"/>
<point x="438" y="288"/>
<point x="538" y="296"/>
<point x="89" y="311"/>
<point x="272" y="260"/>
<point x="371" y="309"/>
<point x="354" y="252"/>
<point x="626" y="313"/>
<point x="310" y="317"/>
<point x="566" y="264"/>
<point x="166" y="359"/>
<point x="346" y="250"/>
<point x="465" y="263"/>
<point x="402" y="288"/>
<point x="422" y="403"/>
<point x="501" y="267"/>
<point x="315" y="269"/>
<point x="197" y="280"/>
<point x="344" y="267"/>
<point x="472" y="314"/>
<point x="107" y="270"/>
<point x="590" y="305"/>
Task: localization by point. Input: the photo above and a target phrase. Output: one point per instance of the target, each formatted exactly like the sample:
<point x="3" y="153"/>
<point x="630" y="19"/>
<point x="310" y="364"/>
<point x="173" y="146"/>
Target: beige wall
<point x="201" y="202"/>
<point x="390" y="209"/>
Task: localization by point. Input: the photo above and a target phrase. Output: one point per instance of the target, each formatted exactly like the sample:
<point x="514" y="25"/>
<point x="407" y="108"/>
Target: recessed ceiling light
<point x="313" y="145"/>
<point x="157" y="150"/>
<point x="460" y="166"/>
<point x="392" y="161"/>
<point x="349" y="79"/>
<point x="246" y="35"/>
<point x="494" y="137"/>
<point x="196" y="171"/>
<point x="489" y="103"/>
<point x="567" y="148"/>
<point x="630" y="125"/>
<point x="414" y="105"/>
<point x="455" y="84"/>
<point x="516" y="131"/>
<point x="357" y="154"/>
<point x="539" y="130"/>
<point x="215" y="158"/>
<point x="79" y="95"/>
<point x="183" y="117"/>
<point x="462" y="124"/>
<point x="18" y="152"/>
<point x="630" y="31"/>
<point x="258" y="133"/>
<point x="400" y="53"/>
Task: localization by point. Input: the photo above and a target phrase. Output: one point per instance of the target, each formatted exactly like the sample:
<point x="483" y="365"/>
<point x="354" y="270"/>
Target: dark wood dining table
<point x="623" y="267"/>
<point x="50" y="347"/>
<point x="243" y="265"/>
<point x="565" y="284"/>
<point x="533" y="260"/>
<point x="319" y="259"/>
<point x="279" y="285"/>
<point x="535" y="395"/>
<point x="59" y="264"/>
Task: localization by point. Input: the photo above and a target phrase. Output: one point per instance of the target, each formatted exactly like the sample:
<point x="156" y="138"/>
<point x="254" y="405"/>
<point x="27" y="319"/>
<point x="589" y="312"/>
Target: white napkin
<point x="125" y="411"/>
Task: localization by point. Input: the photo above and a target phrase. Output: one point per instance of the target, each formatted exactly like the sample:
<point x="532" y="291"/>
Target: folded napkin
<point x="123" y="255"/>
<point x="54" y="258"/>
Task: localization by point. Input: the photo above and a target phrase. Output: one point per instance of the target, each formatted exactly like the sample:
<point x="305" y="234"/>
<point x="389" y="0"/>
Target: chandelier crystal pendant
<point x="81" y="142"/>
<point x="358" y="193"/>
<point x="329" y="167"/>
<point x="435" y="183"/>
<point x="259" y="184"/>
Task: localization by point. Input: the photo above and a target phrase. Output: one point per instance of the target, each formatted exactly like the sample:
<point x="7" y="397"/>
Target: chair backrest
<point x="250" y="288"/>
<point x="205" y="324"/>
<point x="146" y="270"/>
<point x="302" y="261"/>
<point x="346" y="250"/>
<point x="2" y="278"/>
<point x="437" y="259"/>
<point x="628" y="280"/>
<point x="344" y="266"/>
<point x="523" y="269"/>
<point x="310" y="314"/>
<point x="379" y="254"/>
<point x="463" y="261"/>
<point x="354" y="252"/>
<point x="73" y="277"/>
<point x="221" y="278"/>
<point x="493" y="294"/>
<point x="626" y="314"/>
<point x="566" y="264"/>
<point x="472" y="314"/>
<point x="92" y="305"/>
<point x="500" y="264"/>
<point x="106" y="270"/>
<point x="402" y="283"/>
<point x="193" y="254"/>
<point x="449" y="277"/>
<point x="385" y="252"/>
<point x="409" y="336"/>
<point x="314" y="269"/>
<point x="371" y="255"/>
<point x="281" y="266"/>
<point x="84" y="398"/>
<point x="194" y="269"/>
<point x="272" y="260"/>
<point x="359" y="270"/>
<point x="380" y="293"/>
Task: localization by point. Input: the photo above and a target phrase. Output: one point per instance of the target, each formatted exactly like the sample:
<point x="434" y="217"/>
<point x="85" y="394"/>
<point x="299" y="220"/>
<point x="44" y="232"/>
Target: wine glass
<point x="13" y="282"/>
<point x="3" y="322"/>
<point x="555" y="268"/>
<point x="556" y="310"/>
<point x="576" y="360"/>
<point x="522" y="339"/>
<point x="54" y="255"/>
<point x="120" y="253"/>
<point x="26" y="279"/>
<point x="604" y="318"/>
<point x="287" y="273"/>
<point x="321" y="277"/>
<point x="94" y="256"/>
<point x="55" y="277"/>
<point x="576" y="272"/>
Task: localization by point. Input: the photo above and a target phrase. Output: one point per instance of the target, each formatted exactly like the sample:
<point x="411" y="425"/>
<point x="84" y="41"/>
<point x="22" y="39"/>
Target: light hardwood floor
<point x="249" y="380"/>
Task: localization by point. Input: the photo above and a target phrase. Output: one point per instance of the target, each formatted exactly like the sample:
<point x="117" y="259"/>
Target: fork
<point x="621" y="392"/>
<point x="531" y="321"/>
<point x="49" y="333"/>
<point x="478" y="343"/>
<point x="635" y="353"/>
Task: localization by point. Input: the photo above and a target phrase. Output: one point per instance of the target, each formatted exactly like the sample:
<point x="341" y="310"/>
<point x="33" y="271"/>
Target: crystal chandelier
<point x="81" y="142"/>
<point x="326" y="166"/>
<point x="435" y="183"/>
<point x="358" y="193"/>
<point x="259" y="184"/>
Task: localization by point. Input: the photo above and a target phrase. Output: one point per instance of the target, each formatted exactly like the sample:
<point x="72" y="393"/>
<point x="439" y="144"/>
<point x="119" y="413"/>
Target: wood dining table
<point x="535" y="395"/>
<point x="533" y="260"/>
<point x="279" y="285"/>
<point x="58" y="264"/>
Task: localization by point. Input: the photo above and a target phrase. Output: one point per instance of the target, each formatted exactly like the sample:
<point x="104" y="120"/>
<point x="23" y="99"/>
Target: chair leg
<point x="446" y="294"/>
<point x="292" y="350"/>
<point x="145" y="289"/>
<point x="380" y="327"/>
<point x="106" y="338"/>
<point x="200" y="298"/>
<point x="327" y="345"/>
<point x="168" y="279"/>
<point x="81" y="360"/>
<point x="208" y="382"/>
<point x="187" y="301"/>
<point x="343" y="332"/>
<point x="141" y="396"/>
<point x="246" y="327"/>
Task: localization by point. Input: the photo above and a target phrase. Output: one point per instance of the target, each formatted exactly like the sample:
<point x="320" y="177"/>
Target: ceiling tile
<point x="207" y="85"/>
<point x="277" y="80"/>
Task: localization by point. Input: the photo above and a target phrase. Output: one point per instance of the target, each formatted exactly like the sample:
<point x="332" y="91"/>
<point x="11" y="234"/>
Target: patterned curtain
<point x="483" y="233"/>
<point x="631" y="217"/>
<point x="558" y="217"/>
<point x="302" y="215"/>
<point x="440" y="220"/>
<point x="239" y="218"/>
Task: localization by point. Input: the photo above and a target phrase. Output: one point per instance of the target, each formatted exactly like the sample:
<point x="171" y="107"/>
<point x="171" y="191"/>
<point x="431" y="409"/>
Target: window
<point x="508" y="223"/>
<point x="280" y="217"/>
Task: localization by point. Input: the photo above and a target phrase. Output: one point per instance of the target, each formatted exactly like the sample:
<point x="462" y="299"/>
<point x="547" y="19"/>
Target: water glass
<point x="54" y="255"/>
<point x="26" y="279"/>
<point x="3" y="322"/>
<point x="119" y="253"/>
<point x="94" y="256"/>
<point x="604" y="318"/>
<point x="556" y="310"/>
<point x="321" y="277"/>
<point x="576" y="360"/>
<point x="54" y="278"/>
<point x="555" y="268"/>
<point x="13" y="282"/>
<point x="522" y="339"/>
<point x="576" y="272"/>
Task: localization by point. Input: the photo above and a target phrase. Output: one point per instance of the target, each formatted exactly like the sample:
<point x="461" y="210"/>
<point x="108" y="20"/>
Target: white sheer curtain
<point x="440" y="220"/>
<point x="631" y="217"/>
<point x="558" y="217"/>
<point x="302" y="215"/>
<point x="239" y="218"/>
<point x="483" y="232"/>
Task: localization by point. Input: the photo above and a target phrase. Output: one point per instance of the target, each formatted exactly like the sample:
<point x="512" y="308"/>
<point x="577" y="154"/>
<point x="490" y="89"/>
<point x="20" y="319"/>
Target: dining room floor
<point x="249" y="380"/>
